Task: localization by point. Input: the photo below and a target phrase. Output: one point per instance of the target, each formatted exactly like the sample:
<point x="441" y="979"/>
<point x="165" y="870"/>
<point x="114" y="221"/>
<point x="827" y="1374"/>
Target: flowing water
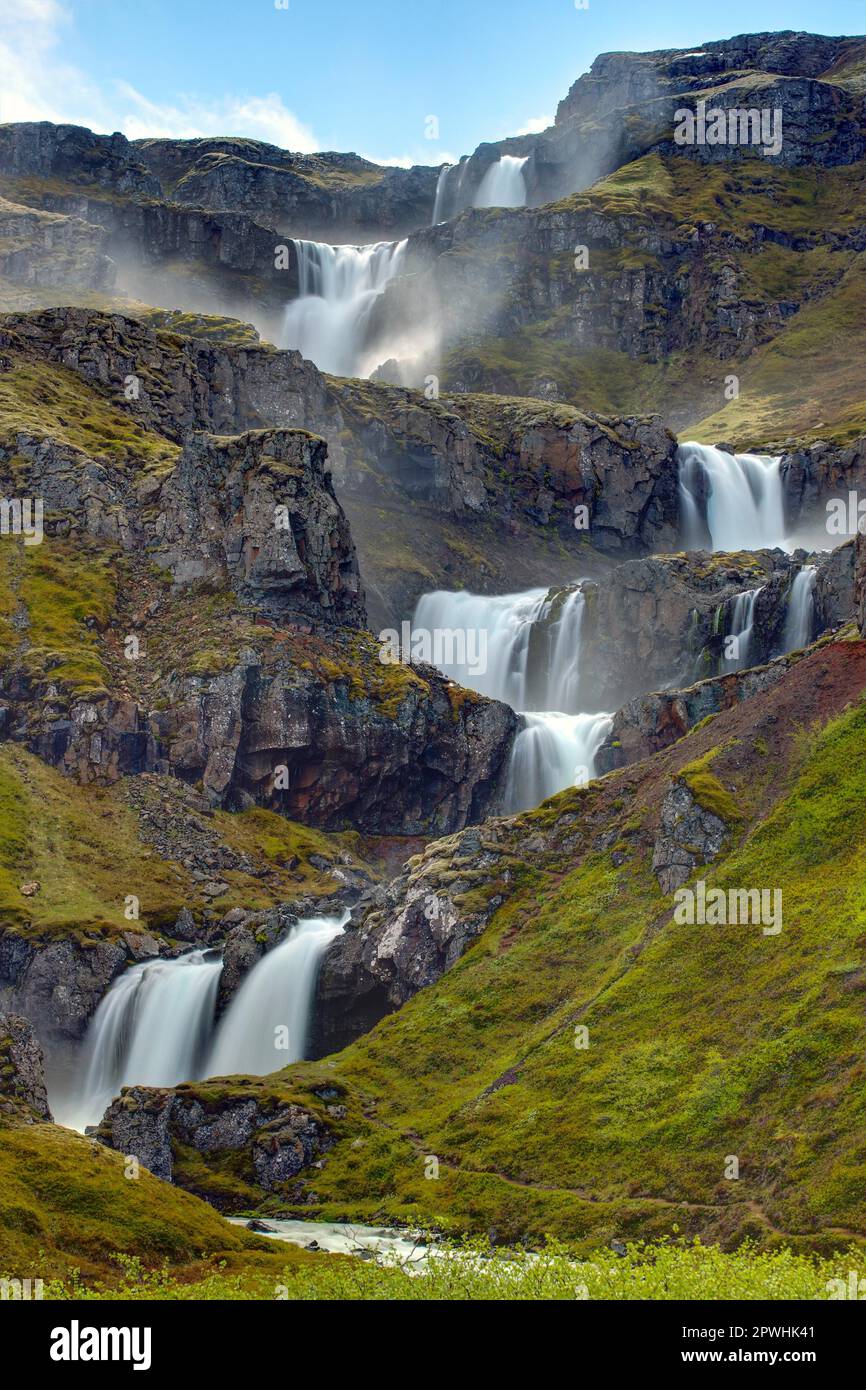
<point x="449" y="192"/>
<point x="800" y="617"/>
<point x="533" y="643"/>
<point x="741" y="626"/>
<point x="152" y="1028"/>
<point x="730" y="501"/>
<point x="338" y="285"/>
<point x="155" y="1026"/>
<point x="266" y="1024"/>
<point x="504" y="185"/>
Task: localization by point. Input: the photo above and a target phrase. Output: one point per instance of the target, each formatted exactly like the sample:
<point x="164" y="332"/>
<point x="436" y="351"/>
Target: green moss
<point x="44" y="400"/>
<point x="708" y="791"/>
<point x="66" y="1204"/>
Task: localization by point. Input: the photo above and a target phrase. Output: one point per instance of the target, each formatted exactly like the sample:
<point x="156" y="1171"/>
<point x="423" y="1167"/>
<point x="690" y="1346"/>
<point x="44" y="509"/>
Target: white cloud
<point x="406" y="161"/>
<point x="34" y="80"/>
<point x="32" y="73"/>
<point x="258" y="118"/>
<point x="535" y="125"/>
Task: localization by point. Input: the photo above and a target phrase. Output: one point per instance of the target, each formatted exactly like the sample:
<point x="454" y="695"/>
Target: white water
<point x="155" y="1026"/>
<point x="743" y="507"/>
<point x="504" y="185"/>
<point x="265" y="1026"/>
<point x="801" y="610"/>
<point x="449" y="200"/>
<point x="533" y="664"/>
<point x="328" y="322"/>
<point x="552" y="752"/>
<point x="151" y="1029"/>
<point x="741" y="626"/>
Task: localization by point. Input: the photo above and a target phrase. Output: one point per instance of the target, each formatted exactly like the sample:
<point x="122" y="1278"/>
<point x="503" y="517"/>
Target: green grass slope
<point x="704" y="1043"/>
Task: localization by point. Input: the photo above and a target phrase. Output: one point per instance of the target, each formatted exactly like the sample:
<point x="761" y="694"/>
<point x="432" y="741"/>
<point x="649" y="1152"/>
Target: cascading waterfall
<point x="730" y="501"/>
<point x="449" y="192"/>
<point x="553" y="751"/>
<point x="533" y="664"/>
<point x="155" y="1026"/>
<point x="152" y="1028"/>
<point x="504" y="185"/>
<point x="338" y="286"/>
<point x="266" y="1025"/>
<point x="800" y="616"/>
<point x="741" y="626"/>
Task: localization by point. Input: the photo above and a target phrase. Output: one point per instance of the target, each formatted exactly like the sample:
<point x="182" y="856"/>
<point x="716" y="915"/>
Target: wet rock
<point x="22" y="1074"/>
<point x="143" y="1121"/>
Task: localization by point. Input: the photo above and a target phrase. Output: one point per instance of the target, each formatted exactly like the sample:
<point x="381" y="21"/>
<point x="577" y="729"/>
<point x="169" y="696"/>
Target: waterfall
<point x="155" y="1026"/>
<point x="152" y="1028"/>
<point x="338" y="286"/>
<point x="532" y="641"/>
<point x="503" y="186"/>
<point x="449" y="201"/>
<point x="800" y="616"/>
<point x="551" y="752"/>
<point x="533" y="664"/>
<point x="741" y="625"/>
<point x="266" y="1024"/>
<point x="730" y="501"/>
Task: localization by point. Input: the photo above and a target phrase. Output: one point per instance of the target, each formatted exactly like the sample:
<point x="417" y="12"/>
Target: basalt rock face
<point x="100" y="180"/>
<point x="258" y="513"/>
<point x="649" y="723"/>
<point x="75" y="154"/>
<point x="666" y="619"/>
<point x="22" y="1076"/>
<point x="508" y="474"/>
<point x="407" y="934"/>
<point x="172" y="384"/>
<point x="58" y="984"/>
<point x="815" y="474"/>
<point x="40" y="248"/>
<point x="521" y="461"/>
<point x="292" y="707"/>
<point x="615" y="111"/>
<point x="280" y="1141"/>
<point x="321" y="197"/>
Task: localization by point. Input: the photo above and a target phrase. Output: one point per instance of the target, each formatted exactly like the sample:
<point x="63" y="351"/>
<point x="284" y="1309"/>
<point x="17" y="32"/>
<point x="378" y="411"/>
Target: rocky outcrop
<point x="320" y="197"/>
<point x="668" y="620"/>
<point x="815" y="475"/>
<point x="258" y="515"/>
<point x="41" y="248"/>
<point x="280" y="1141"/>
<point x="58" y="984"/>
<point x="649" y="723"/>
<point x="74" y="154"/>
<point x="172" y="384"/>
<point x="688" y="835"/>
<point x="407" y="934"/>
<point x="625" y="105"/>
<point x="22" y="1075"/>
<point x="509" y="474"/>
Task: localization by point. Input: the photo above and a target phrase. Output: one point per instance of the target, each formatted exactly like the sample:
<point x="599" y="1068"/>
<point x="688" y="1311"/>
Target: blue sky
<point x="358" y="75"/>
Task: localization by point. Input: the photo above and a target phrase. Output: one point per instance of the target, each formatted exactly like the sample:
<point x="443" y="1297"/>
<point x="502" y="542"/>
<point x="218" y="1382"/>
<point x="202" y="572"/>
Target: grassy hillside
<point x="703" y="1042"/>
<point x="786" y="238"/>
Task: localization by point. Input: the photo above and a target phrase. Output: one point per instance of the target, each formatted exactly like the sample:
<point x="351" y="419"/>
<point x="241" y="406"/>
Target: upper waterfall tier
<point x="329" y="321"/>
